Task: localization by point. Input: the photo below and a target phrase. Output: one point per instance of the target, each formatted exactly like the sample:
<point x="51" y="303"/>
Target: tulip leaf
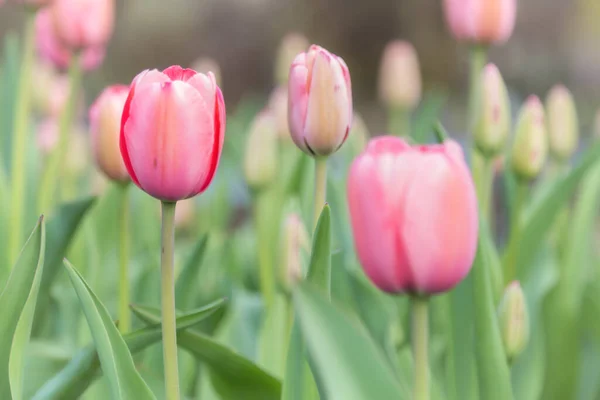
<point x="427" y="115"/>
<point x="233" y="376"/>
<point x="346" y="359"/>
<point x="17" y="302"/>
<point x="319" y="270"/>
<point x="115" y="358"/>
<point x="492" y="365"/>
<point x="72" y="381"/>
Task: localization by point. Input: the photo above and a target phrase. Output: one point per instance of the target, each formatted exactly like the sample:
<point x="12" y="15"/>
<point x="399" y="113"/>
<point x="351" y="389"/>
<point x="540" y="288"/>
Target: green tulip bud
<point x="260" y="163"/>
<point x="530" y="146"/>
<point x="563" y="125"/>
<point x="513" y="321"/>
<point x="493" y="120"/>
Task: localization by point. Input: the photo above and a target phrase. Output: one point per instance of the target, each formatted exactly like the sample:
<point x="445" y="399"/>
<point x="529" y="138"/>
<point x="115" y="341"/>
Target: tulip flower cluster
<point x="291" y="247"/>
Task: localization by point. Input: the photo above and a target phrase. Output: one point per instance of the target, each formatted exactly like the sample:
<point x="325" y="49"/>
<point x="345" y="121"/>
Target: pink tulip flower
<point x="481" y="21"/>
<point x="414" y="215"/>
<point x="319" y="102"/>
<point x="172" y="132"/>
<point x="81" y="24"/>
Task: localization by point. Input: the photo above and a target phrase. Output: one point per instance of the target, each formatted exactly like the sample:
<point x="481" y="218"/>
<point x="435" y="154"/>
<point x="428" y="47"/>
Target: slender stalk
<point x="515" y="231"/>
<point x="399" y="122"/>
<point x="320" y="186"/>
<point x="124" y="315"/>
<point x="478" y="58"/>
<point x="485" y="186"/>
<point x="169" y="332"/>
<point x="420" y="334"/>
<point x="262" y="212"/>
<point x="54" y="168"/>
<point x="19" y="139"/>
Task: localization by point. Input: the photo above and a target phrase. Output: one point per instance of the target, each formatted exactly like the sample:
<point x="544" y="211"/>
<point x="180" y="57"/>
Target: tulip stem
<point x="515" y="230"/>
<point x="124" y="315"/>
<point x="55" y="162"/>
<point x="399" y="122"/>
<point x="478" y="58"/>
<point x="262" y="213"/>
<point x="420" y="334"/>
<point x="484" y="187"/>
<point x="19" y="139"/>
<point x="320" y="186"/>
<point x="169" y="333"/>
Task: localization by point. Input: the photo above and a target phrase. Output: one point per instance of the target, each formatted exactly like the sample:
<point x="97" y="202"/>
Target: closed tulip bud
<point x="319" y="102"/>
<point x="513" y="321"/>
<point x="481" y="21"/>
<point x="530" y="145"/>
<point x="260" y="163"/>
<point x="493" y="121"/>
<point x="81" y="24"/>
<point x="295" y="251"/>
<point x="52" y="50"/>
<point x="172" y="132"/>
<point x="563" y="125"/>
<point x="359" y="135"/>
<point x="400" y="76"/>
<point x="413" y="211"/>
<point x="278" y="103"/>
<point x="291" y="45"/>
<point x="185" y="214"/>
<point x="105" y="125"/>
<point x="204" y="65"/>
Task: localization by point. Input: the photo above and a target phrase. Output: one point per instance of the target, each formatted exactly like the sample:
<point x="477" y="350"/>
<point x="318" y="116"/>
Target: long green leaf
<point x="233" y="376"/>
<point x="115" y="358"/>
<point x="73" y="380"/>
<point x="22" y="286"/>
<point x="347" y="360"/>
<point x="319" y="270"/>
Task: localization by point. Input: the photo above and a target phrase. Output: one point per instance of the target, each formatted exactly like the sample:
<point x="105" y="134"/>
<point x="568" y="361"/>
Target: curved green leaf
<point x="115" y="358"/>
<point x="319" y="269"/>
<point x="17" y="302"/>
<point x="233" y="376"/>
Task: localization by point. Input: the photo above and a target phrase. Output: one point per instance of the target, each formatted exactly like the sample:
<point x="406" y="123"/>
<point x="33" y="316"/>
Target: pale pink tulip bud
<point x="50" y="90"/>
<point x="291" y="45"/>
<point x="52" y="50"/>
<point x="105" y="125"/>
<point x="563" y="124"/>
<point x="172" y="132"/>
<point x="359" y="135"/>
<point x="185" y="213"/>
<point x="481" y="21"/>
<point x="414" y="215"/>
<point x="81" y="24"/>
<point x="204" y="65"/>
<point x="278" y="104"/>
<point x="514" y="320"/>
<point x="530" y="146"/>
<point x="400" y="76"/>
<point x="260" y="162"/>
<point x="295" y="250"/>
<point x="319" y="102"/>
<point x="494" y="118"/>
<point x="47" y="135"/>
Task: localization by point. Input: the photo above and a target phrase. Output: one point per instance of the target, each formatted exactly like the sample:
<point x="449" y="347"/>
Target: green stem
<point x="320" y="186"/>
<point x="19" y="139"/>
<point x="169" y="332"/>
<point x="515" y="230"/>
<point x="399" y="122"/>
<point x="420" y="334"/>
<point x="485" y="186"/>
<point x="262" y="213"/>
<point x="478" y="58"/>
<point x="124" y="315"/>
<point x="54" y="168"/>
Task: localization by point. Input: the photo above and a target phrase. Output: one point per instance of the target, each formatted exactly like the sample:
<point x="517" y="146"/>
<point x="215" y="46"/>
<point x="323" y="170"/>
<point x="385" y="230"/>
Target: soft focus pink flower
<point x="47" y="135"/>
<point x="400" y="76"/>
<point x="105" y="125"/>
<point x="81" y="24"/>
<point x="52" y="50"/>
<point x="319" y="101"/>
<point x="414" y="215"/>
<point x="172" y="132"/>
<point x="481" y="21"/>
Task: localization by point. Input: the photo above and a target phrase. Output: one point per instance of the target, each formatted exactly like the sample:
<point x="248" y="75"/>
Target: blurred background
<point x="554" y="41"/>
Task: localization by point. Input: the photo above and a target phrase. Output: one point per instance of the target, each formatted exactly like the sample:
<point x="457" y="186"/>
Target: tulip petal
<point x="297" y="103"/>
<point x="177" y="73"/>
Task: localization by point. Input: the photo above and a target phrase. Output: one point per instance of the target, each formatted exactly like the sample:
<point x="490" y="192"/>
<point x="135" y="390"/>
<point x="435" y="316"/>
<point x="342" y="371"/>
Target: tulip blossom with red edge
<point x="52" y="50"/>
<point x="481" y="21"/>
<point x="319" y="101"/>
<point x="414" y="215"/>
<point x="105" y="125"/>
<point x="172" y="132"/>
<point x="81" y="24"/>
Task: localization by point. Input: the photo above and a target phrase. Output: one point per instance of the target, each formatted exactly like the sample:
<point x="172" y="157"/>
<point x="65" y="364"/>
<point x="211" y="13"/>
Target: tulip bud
<point x="493" y="120"/>
<point x="400" y="76"/>
<point x="414" y="216"/>
<point x="80" y="24"/>
<point x="291" y="45"/>
<point x="185" y="213"/>
<point x="319" y="102"/>
<point x="278" y="104"/>
<point x="105" y="124"/>
<point x="530" y="146"/>
<point x="172" y="132"/>
<point x="47" y="136"/>
<point x="514" y="321"/>
<point x="260" y="163"/>
<point x="295" y="251"/>
<point x="359" y="135"/>
<point x="563" y="126"/>
<point x="204" y="65"/>
<point x="481" y="21"/>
